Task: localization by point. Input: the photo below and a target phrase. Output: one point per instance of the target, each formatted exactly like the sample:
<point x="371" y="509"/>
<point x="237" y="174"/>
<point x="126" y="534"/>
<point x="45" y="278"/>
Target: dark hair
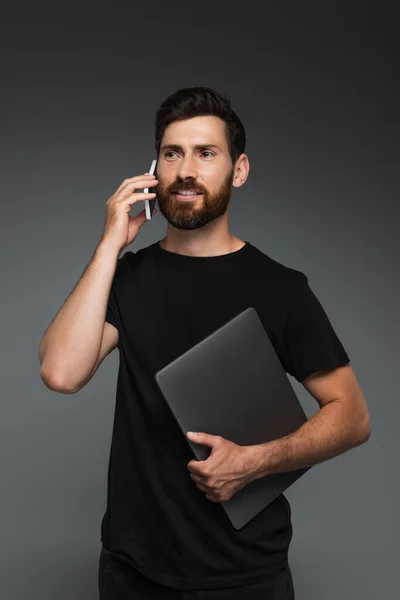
<point x="201" y="101"/>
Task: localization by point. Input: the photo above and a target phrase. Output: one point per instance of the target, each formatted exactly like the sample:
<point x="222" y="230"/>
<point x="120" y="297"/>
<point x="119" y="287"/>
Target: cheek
<point x="164" y="183"/>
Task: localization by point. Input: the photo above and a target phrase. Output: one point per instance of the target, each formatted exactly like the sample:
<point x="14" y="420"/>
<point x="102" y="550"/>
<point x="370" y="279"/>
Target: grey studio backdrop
<point x="317" y="95"/>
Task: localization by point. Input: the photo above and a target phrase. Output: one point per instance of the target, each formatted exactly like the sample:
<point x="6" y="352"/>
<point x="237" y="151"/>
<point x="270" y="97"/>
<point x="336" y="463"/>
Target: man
<point x="164" y="533"/>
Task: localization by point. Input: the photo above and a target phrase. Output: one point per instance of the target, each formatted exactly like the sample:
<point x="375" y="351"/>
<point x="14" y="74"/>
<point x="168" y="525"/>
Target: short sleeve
<point x="113" y="312"/>
<point x="310" y="342"/>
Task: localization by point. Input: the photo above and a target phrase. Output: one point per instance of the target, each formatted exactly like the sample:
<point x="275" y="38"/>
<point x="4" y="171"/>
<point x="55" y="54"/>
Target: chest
<point x="165" y="314"/>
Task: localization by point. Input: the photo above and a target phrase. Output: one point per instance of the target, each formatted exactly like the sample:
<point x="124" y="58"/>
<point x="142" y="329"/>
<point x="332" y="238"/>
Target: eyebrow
<point x="196" y="147"/>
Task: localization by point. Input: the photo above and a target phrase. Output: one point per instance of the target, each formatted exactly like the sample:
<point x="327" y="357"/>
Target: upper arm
<point x="338" y="384"/>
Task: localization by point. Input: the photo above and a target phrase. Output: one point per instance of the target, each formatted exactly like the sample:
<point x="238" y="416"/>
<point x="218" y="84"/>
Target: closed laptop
<point x="233" y="384"/>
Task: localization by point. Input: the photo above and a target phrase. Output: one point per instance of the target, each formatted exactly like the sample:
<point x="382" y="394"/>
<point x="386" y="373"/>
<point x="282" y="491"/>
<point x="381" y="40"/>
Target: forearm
<point x="329" y="432"/>
<point x="69" y="349"/>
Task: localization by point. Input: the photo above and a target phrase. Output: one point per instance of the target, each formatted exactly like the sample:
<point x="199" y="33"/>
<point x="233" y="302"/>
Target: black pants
<point x="120" y="581"/>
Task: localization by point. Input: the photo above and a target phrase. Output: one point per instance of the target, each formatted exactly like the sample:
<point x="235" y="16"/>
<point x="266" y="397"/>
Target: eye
<point x="169" y="152"/>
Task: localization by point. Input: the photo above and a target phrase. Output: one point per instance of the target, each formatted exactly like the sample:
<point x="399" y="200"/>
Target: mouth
<point x="187" y="196"/>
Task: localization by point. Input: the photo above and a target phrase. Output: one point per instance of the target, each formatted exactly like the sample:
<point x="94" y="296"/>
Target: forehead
<point x="198" y="130"/>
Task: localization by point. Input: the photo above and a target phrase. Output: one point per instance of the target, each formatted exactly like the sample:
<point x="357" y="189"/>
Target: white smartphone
<point x="149" y="204"/>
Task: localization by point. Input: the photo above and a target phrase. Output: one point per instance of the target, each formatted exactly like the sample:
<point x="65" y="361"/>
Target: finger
<point x="211" y="498"/>
<point x="140" y="218"/>
<point x="137" y="179"/>
<point x="198" y="478"/>
<point x="202" y="485"/>
<point x="139" y="197"/>
<point x="130" y="187"/>
<point x="194" y="468"/>
<point x="144" y="175"/>
<point x="204" y="489"/>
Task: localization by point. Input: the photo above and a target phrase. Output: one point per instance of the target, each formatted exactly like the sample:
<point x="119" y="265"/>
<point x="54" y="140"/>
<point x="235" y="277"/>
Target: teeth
<point x="187" y="193"/>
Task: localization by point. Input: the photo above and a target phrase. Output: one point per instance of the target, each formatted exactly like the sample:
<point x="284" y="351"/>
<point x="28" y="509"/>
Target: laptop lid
<point x="233" y="384"/>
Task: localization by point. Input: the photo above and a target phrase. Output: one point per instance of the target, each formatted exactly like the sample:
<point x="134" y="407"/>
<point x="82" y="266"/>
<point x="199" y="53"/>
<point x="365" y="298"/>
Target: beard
<point x="193" y="214"/>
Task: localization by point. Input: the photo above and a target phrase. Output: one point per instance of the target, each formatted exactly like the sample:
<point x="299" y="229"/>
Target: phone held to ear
<point x="149" y="204"/>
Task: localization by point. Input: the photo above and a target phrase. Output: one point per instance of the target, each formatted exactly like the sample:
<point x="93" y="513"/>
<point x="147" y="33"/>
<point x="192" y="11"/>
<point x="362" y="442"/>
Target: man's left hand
<point x="227" y="469"/>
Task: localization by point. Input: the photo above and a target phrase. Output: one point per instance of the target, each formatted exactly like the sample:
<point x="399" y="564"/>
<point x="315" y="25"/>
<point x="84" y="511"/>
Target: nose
<point x="187" y="169"/>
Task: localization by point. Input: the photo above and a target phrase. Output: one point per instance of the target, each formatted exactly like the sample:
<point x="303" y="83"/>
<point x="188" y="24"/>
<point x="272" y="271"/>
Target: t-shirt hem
<point x="332" y="364"/>
<point x="185" y="583"/>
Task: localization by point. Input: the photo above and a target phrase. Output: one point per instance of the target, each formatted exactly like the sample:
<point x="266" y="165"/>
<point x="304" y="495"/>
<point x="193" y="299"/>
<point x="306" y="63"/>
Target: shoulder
<point x="125" y="264"/>
<point x="133" y="260"/>
<point x="139" y="255"/>
<point x="124" y="261"/>
<point x="286" y="277"/>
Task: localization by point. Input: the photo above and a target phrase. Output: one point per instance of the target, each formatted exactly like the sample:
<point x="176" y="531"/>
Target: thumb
<point x="203" y="438"/>
<point x="141" y="218"/>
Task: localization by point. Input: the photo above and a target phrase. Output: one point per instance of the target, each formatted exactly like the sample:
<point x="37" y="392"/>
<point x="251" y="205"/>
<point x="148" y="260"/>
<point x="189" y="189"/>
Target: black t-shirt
<point x="162" y="304"/>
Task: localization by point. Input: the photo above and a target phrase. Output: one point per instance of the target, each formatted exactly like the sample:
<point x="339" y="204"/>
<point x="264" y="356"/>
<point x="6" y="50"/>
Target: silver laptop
<point x="233" y="384"/>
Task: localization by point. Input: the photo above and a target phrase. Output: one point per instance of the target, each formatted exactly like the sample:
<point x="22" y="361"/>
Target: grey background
<point x="316" y="88"/>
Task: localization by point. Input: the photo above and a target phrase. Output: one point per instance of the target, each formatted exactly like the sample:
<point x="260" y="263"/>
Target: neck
<point x="206" y="241"/>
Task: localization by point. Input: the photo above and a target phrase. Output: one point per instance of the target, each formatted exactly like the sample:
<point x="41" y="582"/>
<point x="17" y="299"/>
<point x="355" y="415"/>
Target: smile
<point x="186" y="196"/>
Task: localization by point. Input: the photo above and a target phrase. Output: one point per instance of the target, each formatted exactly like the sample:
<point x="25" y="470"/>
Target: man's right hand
<point x="120" y="229"/>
